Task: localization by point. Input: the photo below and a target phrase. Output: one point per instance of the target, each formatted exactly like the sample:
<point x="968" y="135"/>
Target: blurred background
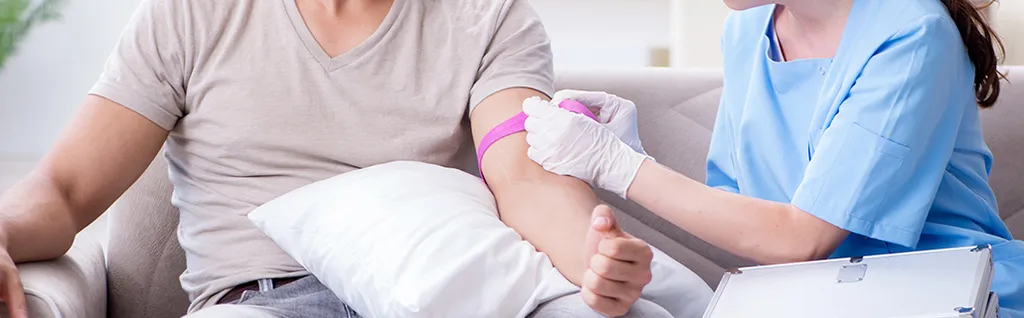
<point x="680" y="33"/>
<point x="57" y="61"/>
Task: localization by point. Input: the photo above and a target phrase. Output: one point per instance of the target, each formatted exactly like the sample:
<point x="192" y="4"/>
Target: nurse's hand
<point x="616" y="113"/>
<point x="567" y="143"/>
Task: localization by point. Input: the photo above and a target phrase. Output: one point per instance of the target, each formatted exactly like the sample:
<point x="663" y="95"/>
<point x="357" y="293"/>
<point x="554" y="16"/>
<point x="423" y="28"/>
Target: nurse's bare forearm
<point x="763" y="231"/>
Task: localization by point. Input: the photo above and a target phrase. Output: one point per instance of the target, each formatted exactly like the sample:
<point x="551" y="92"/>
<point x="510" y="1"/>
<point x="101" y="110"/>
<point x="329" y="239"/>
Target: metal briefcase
<point x="939" y="283"/>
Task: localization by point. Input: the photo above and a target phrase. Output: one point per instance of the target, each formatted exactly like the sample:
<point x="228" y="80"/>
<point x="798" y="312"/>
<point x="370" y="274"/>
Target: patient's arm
<point x="552" y="212"/>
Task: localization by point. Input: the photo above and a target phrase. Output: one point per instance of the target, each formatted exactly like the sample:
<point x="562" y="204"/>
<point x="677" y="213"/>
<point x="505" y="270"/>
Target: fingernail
<point x="601" y="222"/>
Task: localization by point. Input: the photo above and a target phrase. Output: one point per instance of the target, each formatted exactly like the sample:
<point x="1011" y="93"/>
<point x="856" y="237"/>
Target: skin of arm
<point x="763" y="231"/>
<point x="550" y="211"/>
<point x="104" y="150"/>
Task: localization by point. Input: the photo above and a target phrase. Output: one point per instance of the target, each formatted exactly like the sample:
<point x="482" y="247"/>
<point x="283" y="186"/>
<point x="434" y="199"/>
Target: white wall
<point x="696" y="31"/>
<point x="45" y="81"/>
<point x="42" y="85"/>
<point x="604" y="33"/>
<point x="1009" y="21"/>
<point x="697" y="26"/>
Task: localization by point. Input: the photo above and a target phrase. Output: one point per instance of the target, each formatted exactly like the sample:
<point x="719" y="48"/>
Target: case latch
<point x="852" y="273"/>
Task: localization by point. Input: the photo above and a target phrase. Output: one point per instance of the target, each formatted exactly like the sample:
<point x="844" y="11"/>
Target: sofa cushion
<point x="73" y="285"/>
<point x="1004" y="134"/>
<point x="144" y="258"/>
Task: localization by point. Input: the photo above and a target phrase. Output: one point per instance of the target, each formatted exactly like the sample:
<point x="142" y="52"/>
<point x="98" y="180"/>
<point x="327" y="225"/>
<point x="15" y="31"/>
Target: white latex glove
<point x="616" y="113"/>
<point x="571" y="144"/>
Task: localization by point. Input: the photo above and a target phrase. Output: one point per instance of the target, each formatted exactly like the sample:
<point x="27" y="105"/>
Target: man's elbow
<point x="532" y="182"/>
<point x="514" y="173"/>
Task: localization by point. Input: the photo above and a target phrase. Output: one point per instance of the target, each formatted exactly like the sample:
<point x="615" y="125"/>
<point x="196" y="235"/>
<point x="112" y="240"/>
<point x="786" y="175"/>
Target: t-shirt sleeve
<point x="146" y="70"/>
<point x="519" y="55"/>
<point x="878" y="165"/>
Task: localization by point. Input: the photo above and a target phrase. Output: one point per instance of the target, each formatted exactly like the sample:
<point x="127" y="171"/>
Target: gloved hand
<point x="616" y="113"/>
<point x="571" y="144"/>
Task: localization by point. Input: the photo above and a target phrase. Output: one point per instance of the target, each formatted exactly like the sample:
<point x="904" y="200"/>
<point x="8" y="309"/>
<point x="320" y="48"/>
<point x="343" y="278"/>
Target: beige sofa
<point x="677" y="110"/>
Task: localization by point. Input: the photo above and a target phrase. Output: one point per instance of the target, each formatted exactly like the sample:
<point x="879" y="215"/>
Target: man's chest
<point x="289" y="106"/>
<point x="262" y="94"/>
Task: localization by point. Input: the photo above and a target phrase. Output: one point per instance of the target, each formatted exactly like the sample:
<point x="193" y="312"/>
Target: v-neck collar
<point x="851" y="31"/>
<point x="331" y="64"/>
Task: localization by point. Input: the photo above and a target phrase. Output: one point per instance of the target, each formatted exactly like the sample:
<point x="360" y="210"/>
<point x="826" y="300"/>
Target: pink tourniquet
<point x="516" y="124"/>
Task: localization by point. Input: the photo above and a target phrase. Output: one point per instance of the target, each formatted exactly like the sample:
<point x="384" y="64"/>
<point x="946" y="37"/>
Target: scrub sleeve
<point x="721" y="163"/>
<point x="880" y="158"/>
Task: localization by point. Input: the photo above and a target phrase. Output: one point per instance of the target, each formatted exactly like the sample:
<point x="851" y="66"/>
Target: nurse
<point x="846" y="128"/>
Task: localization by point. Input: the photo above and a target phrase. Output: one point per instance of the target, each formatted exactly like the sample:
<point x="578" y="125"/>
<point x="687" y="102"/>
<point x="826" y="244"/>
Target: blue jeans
<point x="307" y="297"/>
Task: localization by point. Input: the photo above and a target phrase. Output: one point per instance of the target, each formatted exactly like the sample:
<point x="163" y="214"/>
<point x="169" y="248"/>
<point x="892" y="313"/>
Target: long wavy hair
<point x="984" y="47"/>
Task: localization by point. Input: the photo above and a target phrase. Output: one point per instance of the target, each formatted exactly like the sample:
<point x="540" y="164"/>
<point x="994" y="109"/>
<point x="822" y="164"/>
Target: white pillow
<point x="410" y="239"/>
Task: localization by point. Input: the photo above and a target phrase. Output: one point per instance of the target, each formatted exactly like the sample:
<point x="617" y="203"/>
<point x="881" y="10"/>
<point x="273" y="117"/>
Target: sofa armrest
<point x="74" y="285"/>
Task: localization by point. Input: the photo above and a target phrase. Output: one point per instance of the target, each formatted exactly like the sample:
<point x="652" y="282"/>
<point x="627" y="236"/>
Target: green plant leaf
<point x="17" y="17"/>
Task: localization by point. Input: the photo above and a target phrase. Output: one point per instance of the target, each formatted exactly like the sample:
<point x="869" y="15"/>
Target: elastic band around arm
<point x="517" y="124"/>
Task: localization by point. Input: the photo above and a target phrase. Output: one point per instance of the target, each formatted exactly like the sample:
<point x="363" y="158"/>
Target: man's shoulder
<point x="199" y="13"/>
<point x="478" y="13"/>
<point x="195" y="6"/>
<point x="479" y="7"/>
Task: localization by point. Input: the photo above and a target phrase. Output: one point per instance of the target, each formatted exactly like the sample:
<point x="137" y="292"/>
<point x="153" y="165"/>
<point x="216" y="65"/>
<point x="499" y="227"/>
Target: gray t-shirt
<point x="256" y="108"/>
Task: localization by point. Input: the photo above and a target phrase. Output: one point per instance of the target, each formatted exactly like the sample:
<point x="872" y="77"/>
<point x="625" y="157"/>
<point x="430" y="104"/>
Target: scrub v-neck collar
<point x="850" y="31"/>
<point x="334" y="63"/>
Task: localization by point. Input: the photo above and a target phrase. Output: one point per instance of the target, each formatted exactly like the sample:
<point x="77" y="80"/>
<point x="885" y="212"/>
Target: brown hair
<point x="983" y="47"/>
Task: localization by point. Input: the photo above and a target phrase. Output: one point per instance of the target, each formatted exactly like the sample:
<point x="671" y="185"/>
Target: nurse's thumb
<point x="603" y="222"/>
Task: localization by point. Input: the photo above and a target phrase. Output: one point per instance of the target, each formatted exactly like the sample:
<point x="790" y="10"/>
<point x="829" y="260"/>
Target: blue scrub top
<point x="884" y="140"/>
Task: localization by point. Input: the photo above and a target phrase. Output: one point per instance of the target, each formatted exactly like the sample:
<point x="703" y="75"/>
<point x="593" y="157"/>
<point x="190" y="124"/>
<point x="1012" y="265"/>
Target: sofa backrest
<point x="676" y="113"/>
<point x="144" y="259"/>
<point x="1004" y="133"/>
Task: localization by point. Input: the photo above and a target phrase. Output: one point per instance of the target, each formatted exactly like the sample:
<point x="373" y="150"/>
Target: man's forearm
<point x="35" y="220"/>
<point x="552" y="213"/>
<point x="106" y="148"/>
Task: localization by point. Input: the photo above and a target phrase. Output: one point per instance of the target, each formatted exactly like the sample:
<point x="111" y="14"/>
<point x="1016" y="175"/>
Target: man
<point x="253" y="98"/>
